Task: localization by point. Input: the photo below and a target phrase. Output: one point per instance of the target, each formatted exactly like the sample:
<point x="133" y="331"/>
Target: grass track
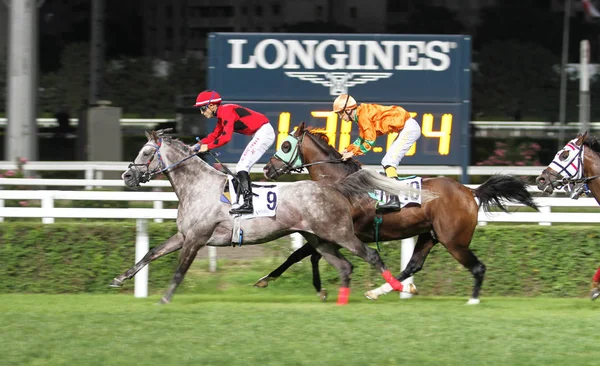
<point x="276" y="327"/>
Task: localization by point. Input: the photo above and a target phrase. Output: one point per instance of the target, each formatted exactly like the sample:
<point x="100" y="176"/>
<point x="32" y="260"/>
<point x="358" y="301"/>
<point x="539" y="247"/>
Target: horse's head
<point x="148" y="161"/>
<point x="567" y="164"/>
<point x="288" y="157"/>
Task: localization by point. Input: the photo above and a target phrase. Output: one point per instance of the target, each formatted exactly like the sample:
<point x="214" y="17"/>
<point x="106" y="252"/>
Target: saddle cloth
<point x="265" y="201"/>
<point x="382" y="197"/>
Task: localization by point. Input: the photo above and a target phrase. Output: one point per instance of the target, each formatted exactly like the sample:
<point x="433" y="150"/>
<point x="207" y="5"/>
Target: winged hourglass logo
<point x="339" y="82"/>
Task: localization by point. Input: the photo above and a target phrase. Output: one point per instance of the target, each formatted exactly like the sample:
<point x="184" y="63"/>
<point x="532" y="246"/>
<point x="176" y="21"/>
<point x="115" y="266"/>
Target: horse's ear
<point x="581" y="138"/>
<point x="164" y="131"/>
<point x="300" y="129"/>
<point x="148" y="136"/>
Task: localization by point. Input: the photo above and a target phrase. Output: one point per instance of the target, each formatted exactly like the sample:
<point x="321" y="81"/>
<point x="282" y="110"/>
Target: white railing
<point x="95" y="169"/>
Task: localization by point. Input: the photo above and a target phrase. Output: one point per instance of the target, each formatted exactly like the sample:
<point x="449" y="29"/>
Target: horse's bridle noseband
<point x="147" y="175"/>
<point x="571" y="180"/>
<point x="161" y="168"/>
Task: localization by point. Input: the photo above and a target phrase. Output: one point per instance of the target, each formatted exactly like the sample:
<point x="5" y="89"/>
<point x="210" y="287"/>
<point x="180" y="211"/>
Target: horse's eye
<point x="286" y="147"/>
<point x="564" y="155"/>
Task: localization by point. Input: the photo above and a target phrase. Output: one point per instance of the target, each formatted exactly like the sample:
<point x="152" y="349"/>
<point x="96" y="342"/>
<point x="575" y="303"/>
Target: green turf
<point x="276" y="326"/>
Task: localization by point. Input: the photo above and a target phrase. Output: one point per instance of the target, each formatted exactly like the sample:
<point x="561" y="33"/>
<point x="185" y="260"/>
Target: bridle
<point x="295" y="162"/>
<point x="160" y="168"/>
<point x="564" y="177"/>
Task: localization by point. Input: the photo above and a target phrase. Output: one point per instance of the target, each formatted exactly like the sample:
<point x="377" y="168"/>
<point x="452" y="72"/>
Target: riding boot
<point x="595" y="291"/>
<point x="245" y="189"/>
<point x="393" y="204"/>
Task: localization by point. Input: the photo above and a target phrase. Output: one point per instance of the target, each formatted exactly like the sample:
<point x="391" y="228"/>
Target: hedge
<point x="523" y="260"/>
<point x="75" y="257"/>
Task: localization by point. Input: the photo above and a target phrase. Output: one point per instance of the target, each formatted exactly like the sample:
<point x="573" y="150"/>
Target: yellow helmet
<point x="343" y="102"/>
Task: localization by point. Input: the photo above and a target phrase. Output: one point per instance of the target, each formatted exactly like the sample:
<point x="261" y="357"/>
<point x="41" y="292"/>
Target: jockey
<point x="234" y="118"/>
<point x="375" y="120"/>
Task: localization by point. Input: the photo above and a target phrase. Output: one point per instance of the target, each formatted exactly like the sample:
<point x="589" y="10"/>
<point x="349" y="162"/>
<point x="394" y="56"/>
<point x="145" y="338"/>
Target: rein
<point x="162" y="168"/>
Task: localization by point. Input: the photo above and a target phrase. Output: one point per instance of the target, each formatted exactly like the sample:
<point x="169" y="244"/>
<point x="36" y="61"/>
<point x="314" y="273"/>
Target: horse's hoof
<point x="164" y="301"/>
<point x="371" y="295"/>
<point x="473" y="302"/>
<point x="322" y="294"/>
<point x="264" y="281"/>
<point x="411" y="289"/>
<point x="594" y="294"/>
<point x="116" y="283"/>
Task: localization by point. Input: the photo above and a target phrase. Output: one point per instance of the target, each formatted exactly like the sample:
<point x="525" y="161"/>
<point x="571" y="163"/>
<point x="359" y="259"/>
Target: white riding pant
<point x="262" y="140"/>
<point x="406" y="138"/>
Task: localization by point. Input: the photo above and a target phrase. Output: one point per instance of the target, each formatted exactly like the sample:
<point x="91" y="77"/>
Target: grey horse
<point x="320" y="212"/>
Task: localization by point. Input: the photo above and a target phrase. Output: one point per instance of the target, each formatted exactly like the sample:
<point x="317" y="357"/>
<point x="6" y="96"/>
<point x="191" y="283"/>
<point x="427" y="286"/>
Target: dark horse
<point x="450" y="219"/>
<point x="572" y="168"/>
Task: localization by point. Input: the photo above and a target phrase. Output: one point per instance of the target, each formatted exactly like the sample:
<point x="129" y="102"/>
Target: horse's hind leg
<point x="294" y="258"/>
<point x="425" y="242"/>
<point x="468" y="259"/>
<point x="172" y="244"/>
<point x="331" y="254"/>
<point x="314" y="260"/>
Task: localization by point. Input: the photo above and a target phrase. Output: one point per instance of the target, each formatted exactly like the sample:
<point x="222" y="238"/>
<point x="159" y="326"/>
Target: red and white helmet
<point x="207" y="97"/>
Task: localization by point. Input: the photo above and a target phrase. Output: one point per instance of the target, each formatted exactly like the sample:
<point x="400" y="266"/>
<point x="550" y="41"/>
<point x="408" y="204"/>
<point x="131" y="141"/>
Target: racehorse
<point x="319" y="212"/>
<point x="450" y="219"/>
<point x="573" y="168"/>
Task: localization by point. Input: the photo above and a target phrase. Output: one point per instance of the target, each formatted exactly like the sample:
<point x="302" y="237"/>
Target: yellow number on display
<point x="283" y="128"/>
<point x="443" y="134"/>
<point x="331" y="124"/>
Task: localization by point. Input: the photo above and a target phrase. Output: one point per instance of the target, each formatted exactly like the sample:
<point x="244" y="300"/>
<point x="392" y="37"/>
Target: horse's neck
<point x="591" y="168"/>
<point x="192" y="175"/>
<point x="324" y="172"/>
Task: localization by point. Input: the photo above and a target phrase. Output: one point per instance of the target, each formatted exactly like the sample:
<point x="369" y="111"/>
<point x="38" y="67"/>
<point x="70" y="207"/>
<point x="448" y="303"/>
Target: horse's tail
<point x="357" y="184"/>
<point x="504" y="187"/>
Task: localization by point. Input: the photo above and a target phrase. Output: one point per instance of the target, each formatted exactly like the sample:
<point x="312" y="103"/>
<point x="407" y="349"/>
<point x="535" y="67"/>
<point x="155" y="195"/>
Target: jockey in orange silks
<point x="376" y="120"/>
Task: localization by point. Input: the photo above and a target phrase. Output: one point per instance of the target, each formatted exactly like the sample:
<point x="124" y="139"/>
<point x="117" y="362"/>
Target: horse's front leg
<point x="294" y="258"/>
<point x="172" y="244"/>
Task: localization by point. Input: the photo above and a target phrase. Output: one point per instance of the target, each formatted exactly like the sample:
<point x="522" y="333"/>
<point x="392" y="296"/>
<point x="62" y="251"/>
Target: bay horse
<point x="574" y="167"/>
<point x="450" y="219"/>
<point x="319" y="212"/>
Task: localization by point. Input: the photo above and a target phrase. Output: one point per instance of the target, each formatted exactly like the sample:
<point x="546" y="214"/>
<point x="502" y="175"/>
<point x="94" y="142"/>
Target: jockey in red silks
<point x="234" y="118"/>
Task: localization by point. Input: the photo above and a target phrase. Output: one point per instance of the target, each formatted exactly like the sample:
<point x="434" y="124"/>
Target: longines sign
<point x="311" y="67"/>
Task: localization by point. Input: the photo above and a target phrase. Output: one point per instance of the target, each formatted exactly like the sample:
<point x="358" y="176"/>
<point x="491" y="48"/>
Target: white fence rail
<point x="95" y="169"/>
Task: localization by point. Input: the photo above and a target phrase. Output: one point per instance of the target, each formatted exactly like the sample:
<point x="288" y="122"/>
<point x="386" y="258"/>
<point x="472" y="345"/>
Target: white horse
<point x="320" y="212"/>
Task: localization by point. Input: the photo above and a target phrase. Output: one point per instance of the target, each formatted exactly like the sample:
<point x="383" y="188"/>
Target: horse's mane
<point x="322" y="141"/>
<point x="593" y="143"/>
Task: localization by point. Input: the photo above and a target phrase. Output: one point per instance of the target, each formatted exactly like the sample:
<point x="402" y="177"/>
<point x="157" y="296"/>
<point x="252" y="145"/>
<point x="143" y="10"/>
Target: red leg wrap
<point x="597" y="276"/>
<point x="389" y="278"/>
<point x="343" y="295"/>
